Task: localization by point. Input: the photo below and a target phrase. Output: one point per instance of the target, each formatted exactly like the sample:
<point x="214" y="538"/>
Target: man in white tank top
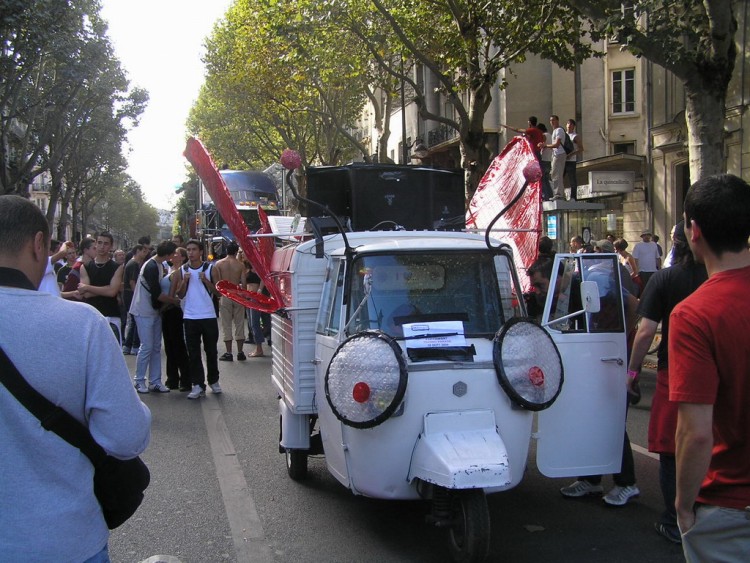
<point x="197" y="290"/>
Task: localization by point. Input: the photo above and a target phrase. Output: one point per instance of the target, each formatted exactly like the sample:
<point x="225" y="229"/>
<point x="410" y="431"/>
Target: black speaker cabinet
<point x="382" y="197"/>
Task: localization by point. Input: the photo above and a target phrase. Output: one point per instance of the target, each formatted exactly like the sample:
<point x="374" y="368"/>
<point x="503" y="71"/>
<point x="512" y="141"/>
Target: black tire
<point x="296" y="464"/>
<point x="469" y="535"/>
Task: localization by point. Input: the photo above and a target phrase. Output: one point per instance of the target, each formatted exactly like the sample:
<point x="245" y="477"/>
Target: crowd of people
<point x="699" y="423"/>
<point x="699" y="427"/>
<point x="145" y="294"/>
<point x="557" y="162"/>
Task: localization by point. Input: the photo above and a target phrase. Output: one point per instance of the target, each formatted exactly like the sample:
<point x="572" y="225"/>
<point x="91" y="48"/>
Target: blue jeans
<point x="101" y="557"/>
<point x="255" y="327"/>
<point x="149" y="354"/>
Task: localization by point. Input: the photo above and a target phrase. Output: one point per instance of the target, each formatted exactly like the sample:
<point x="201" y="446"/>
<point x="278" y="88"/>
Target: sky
<point x="160" y="45"/>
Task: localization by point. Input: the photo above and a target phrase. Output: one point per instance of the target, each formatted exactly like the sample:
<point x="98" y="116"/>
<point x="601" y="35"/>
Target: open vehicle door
<point x="582" y="432"/>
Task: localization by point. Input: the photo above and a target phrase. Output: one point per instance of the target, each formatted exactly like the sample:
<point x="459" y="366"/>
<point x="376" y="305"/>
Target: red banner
<point x="521" y="225"/>
<point x="258" y="250"/>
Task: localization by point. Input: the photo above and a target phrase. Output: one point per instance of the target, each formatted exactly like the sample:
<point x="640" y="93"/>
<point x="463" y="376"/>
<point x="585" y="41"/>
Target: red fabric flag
<point x="204" y="166"/>
<point x="521" y="225"/>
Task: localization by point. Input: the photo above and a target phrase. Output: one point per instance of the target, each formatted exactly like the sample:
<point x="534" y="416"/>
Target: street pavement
<point x="220" y="492"/>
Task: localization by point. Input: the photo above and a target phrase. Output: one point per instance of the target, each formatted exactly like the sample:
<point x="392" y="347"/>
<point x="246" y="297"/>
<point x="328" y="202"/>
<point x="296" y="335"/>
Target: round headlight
<point x="528" y="364"/>
<point x="366" y="379"/>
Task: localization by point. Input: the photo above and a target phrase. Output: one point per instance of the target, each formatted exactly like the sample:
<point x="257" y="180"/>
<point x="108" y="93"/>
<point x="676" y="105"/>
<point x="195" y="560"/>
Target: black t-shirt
<point x="132" y="269"/>
<point x="101" y="275"/>
<point x="252" y="277"/>
<point x="664" y="290"/>
<point x="62" y="273"/>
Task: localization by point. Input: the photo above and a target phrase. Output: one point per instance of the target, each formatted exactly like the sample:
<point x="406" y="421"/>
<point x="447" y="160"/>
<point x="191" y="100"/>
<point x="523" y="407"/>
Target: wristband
<point x="632" y="374"/>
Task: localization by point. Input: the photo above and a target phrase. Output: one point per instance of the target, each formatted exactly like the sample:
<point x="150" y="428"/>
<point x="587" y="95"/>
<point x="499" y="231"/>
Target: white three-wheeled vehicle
<point x="408" y="360"/>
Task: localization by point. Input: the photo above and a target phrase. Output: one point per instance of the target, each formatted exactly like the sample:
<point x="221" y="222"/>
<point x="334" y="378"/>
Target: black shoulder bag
<point x="118" y="484"/>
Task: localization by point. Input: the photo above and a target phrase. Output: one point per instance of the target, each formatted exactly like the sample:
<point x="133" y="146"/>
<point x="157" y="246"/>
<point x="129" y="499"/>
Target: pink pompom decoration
<point x="532" y="171"/>
<point x="290" y="159"/>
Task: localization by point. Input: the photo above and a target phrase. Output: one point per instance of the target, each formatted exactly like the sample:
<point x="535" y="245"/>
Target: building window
<point x="623" y="148"/>
<point x="623" y="91"/>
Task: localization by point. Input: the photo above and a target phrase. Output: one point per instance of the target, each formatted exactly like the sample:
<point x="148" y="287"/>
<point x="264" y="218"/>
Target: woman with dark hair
<point x="665" y="289"/>
<point x="178" y="375"/>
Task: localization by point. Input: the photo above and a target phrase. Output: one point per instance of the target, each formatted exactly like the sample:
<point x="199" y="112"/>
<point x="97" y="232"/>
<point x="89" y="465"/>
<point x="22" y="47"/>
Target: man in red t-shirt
<point x="532" y="133"/>
<point x="709" y="356"/>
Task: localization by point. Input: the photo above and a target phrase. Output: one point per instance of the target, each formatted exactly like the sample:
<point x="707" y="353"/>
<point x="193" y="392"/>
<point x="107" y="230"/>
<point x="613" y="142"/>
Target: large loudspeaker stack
<point x="380" y="196"/>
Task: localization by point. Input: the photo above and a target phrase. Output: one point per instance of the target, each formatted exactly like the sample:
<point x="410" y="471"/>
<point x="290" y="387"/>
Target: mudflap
<point x="461" y="450"/>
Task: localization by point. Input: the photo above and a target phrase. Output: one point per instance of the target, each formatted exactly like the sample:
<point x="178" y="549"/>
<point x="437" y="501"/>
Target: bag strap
<point x="53" y="418"/>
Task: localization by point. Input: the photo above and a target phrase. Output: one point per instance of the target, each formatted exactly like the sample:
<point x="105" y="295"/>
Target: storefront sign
<point x="611" y="182"/>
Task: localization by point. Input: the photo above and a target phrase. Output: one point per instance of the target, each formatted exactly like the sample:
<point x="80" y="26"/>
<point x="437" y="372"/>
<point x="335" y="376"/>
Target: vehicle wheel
<point x="296" y="464"/>
<point x="469" y="534"/>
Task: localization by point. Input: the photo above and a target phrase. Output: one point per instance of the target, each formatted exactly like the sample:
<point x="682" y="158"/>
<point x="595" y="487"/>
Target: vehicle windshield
<point x="475" y="289"/>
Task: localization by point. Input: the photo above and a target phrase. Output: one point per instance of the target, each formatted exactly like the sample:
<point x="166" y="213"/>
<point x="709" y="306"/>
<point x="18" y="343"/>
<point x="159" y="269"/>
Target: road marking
<point x="643" y="451"/>
<point x="247" y="530"/>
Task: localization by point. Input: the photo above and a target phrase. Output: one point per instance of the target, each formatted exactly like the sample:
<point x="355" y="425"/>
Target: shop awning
<point x="615" y="163"/>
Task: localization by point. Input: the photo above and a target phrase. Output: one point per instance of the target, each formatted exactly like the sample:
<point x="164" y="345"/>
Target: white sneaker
<point x="141" y="387"/>
<point x="216" y="388"/>
<point x="158" y="388"/>
<point x="581" y="489"/>
<point x="196" y="393"/>
<point x="619" y="496"/>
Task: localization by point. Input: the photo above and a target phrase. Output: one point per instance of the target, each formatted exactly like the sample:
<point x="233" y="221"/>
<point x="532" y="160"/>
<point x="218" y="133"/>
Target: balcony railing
<point x="441" y="134"/>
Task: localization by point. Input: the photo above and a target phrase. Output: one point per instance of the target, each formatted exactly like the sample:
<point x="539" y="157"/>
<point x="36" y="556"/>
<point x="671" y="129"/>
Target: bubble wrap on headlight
<point x="368" y="360"/>
<point x="531" y="363"/>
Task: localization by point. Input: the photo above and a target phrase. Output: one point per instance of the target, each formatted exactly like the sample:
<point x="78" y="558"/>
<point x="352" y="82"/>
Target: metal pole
<point x="404" y="148"/>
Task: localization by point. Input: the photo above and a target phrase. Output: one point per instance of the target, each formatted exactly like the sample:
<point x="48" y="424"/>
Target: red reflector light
<point x="536" y="376"/>
<point x="361" y="392"/>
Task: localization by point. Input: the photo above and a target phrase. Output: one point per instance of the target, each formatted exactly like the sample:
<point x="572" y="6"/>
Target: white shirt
<point x="49" y="281"/>
<point x="647" y="254"/>
<point x="558" y="133"/>
<point x="573" y="157"/>
<point x="198" y="302"/>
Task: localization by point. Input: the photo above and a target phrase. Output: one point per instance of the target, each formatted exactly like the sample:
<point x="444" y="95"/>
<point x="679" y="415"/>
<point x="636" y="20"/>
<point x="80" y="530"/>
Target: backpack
<point x="567" y="144"/>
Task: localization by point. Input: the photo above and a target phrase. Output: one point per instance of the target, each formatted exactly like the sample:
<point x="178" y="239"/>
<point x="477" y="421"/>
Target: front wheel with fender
<point x="296" y="464"/>
<point x="469" y="532"/>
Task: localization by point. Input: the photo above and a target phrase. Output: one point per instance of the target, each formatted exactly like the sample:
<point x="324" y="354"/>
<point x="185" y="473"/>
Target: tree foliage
<point x="312" y="64"/>
<point x="693" y="39"/>
<point x="65" y="103"/>
<point x="260" y="96"/>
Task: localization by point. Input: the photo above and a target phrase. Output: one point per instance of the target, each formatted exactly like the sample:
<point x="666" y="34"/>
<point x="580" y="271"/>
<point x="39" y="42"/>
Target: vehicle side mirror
<point x="590" y="297"/>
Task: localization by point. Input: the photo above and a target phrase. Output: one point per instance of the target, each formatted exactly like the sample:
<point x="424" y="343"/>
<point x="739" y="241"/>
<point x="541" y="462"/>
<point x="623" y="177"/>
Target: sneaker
<point x="671" y="533"/>
<point x="227" y="357"/>
<point x="619" y="496"/>
<point x="215" y="388"/>
<point x="241" y="356"/>
<point x="158" y="388"/>
<point x="197" y="392"/>
<point x="581" y="489"/>
<point x="141" y="387"/>
<point x="126" y="351"/>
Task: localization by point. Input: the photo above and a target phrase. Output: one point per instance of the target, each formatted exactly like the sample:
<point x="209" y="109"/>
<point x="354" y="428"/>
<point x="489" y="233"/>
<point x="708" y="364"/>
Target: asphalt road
<point x="220" y="492"/>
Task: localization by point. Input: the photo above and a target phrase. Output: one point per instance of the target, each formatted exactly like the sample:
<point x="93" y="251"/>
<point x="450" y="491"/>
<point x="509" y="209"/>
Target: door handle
<point x="618" y="361"/>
